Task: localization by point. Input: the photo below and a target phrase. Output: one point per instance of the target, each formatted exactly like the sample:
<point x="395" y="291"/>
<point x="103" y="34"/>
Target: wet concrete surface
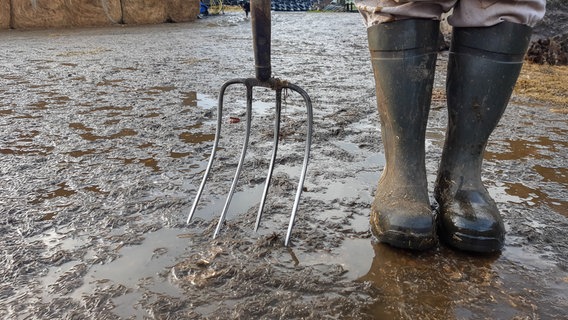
<point x="105" y="134"/>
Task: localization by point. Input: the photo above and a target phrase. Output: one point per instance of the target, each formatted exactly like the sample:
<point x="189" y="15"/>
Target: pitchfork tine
<point x="215" y="144"/>
<point x="273" y="159"/>
<point x="309" y="111"/>
<point x="241" y="161"/>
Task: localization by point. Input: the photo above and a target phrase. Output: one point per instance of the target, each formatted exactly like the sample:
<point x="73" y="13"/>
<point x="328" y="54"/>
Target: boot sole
<point x="470" y="243"/>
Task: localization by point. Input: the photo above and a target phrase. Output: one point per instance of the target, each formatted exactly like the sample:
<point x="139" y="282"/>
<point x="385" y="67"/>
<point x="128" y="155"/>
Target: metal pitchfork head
<point x="260" y="18"/>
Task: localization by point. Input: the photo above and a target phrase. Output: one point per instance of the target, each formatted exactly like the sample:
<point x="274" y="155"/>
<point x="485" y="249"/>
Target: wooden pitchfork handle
<point x="261" y="28"/>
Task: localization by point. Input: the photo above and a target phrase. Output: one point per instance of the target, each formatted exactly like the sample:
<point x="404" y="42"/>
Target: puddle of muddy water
<point x="137" y="266"/>
<point x="552" y="179"/>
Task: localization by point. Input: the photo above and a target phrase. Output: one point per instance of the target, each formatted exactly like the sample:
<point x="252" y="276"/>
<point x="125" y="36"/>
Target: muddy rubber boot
<point x="483" y="66"/>
<point x="403" y="55"/>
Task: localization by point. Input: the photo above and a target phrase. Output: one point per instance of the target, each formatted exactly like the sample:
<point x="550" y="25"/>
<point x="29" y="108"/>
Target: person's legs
<point x="483" y="67"/>
<point x="403" y="41"/>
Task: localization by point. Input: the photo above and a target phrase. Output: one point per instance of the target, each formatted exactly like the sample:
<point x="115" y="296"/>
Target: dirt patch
<point x="552" y="51"/>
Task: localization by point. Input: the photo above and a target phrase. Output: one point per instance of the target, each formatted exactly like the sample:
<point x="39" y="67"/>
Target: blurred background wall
<point x="28" y="14"/>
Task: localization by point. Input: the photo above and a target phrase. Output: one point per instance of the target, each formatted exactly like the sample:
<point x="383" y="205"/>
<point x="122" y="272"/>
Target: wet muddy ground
<point x="105" y="134"/>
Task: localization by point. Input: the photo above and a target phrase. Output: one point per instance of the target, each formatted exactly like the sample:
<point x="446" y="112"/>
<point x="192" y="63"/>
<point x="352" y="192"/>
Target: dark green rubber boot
<point x="483" y="66"/>
<point x="403" y="55"/>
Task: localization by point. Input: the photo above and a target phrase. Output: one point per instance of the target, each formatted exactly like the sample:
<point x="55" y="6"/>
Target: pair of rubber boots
<point x="483" y="66"/>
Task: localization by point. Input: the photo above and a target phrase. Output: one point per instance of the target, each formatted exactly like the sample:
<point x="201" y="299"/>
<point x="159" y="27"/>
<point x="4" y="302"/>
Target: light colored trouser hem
<point x="467" y="13"/>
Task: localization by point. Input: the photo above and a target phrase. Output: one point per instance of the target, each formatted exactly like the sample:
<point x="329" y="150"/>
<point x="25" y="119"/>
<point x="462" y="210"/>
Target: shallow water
<point x="105" y="136"/>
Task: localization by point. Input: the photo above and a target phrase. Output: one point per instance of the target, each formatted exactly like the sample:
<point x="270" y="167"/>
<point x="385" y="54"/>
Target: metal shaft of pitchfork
<point x="261" y="30"/>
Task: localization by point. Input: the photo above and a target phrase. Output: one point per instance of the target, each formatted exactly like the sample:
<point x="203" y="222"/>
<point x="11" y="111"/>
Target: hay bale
<point x="5" y="14"/>
<point x="39" y="13"/>
<point x="27" y="14"/>
<point x="94" y="12"/>
<point x="144" y="11"/>
<point x="182" y="10"/>
<point x="64" y="13"/>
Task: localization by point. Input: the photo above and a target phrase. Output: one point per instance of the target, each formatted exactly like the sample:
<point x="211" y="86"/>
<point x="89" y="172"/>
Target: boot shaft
<point x="403" y="55"/>
<point x="506" y="41"/>
<point x="483" y="67"/>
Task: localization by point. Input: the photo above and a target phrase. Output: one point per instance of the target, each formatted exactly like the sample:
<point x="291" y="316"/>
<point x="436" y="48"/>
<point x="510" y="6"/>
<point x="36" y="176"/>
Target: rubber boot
<point x="483" y="66"/>
<point x="403" y="55"/>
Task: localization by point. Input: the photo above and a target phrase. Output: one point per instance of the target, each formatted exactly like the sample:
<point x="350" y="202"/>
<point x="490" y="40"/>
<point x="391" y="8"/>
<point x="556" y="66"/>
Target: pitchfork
<point x="260" y="19"/>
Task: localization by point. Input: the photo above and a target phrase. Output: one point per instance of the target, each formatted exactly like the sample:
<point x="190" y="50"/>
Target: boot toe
<point x="403" y="228"/>
<point x="471" y="222"/>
